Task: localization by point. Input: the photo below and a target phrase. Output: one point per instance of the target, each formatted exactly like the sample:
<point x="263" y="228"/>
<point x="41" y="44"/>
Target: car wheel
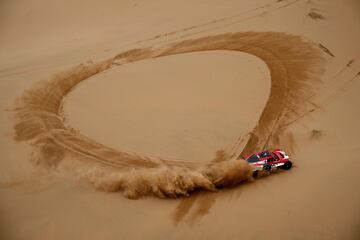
<point x="287" y="165"/>
<point x="267" y="167"/>
<point x="255" y="174"/>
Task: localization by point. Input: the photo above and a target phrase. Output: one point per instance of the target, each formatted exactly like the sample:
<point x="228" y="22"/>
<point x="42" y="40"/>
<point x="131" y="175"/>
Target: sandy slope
<point x="319" y="199"/>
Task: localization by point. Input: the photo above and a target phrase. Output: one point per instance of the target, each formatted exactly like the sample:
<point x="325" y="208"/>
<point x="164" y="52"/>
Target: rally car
<point x="269" y="160"/>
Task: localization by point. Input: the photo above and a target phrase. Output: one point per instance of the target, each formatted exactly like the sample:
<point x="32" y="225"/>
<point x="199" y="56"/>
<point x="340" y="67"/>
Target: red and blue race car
<point x="269" y="160"/>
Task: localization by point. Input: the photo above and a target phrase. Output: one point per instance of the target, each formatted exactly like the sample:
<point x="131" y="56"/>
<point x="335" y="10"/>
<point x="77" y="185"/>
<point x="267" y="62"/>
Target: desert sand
<point x="121" y="118"/>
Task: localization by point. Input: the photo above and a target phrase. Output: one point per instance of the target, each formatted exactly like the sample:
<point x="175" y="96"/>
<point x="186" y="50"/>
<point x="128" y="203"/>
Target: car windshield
<point x="253" y="158"/>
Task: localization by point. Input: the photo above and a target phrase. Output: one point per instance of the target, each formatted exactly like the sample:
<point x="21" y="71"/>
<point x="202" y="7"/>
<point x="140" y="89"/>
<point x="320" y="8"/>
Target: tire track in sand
<point x="295" y="67"/>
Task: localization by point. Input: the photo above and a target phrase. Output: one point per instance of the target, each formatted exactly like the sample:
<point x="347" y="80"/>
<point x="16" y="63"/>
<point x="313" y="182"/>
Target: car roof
<point x="266" y="150"/>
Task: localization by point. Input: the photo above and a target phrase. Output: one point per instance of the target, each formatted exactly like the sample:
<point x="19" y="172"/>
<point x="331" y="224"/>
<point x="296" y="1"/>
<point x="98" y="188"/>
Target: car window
<point x="253" y="158"/>
<point x="264" y="154"/>
<point x="272" y="158"/>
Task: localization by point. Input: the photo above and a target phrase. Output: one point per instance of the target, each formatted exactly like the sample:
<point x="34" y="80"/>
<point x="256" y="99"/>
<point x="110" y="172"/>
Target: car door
<point x="272" y="159"/>
<point x="278" y="161"/>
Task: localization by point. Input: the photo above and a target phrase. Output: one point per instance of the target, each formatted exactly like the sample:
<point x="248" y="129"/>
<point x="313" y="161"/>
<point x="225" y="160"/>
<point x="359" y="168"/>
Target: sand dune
<point x="311" y="54"/>
<point x="292" y="62"/>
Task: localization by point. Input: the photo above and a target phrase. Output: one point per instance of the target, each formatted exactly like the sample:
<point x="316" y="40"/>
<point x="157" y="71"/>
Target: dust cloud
<point x="169" y="182"/>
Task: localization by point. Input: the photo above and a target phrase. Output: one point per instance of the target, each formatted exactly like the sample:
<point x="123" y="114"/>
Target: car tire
<point x="287" y="165"/>
<point x="267" y="167"/>
<point x="255" y="174"/>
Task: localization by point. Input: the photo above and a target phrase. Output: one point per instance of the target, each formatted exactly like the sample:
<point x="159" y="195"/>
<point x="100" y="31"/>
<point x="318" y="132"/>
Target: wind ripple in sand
<point x="295" y="66"/>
